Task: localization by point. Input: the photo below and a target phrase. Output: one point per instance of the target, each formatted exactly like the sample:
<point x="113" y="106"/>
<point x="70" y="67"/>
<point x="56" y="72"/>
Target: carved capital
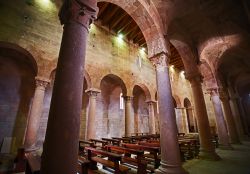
<point x="92" y="92"/>
<point x="82" y="12"/>
<point x="150" y="102"/>
<point x="128" y="98"/>
<point x="160" y="60"/>
<point x="223" y="94"/>
<point x="213" y="92"/>
<point x="194" y="78"/>
<point x="41" y="82"/>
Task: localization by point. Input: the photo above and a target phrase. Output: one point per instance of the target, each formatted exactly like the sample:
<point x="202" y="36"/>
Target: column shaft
<point x="91" y="133"/>
<point x="207" y="149"/>
<point x="234" y="138"/>
<point x="223" y="136"/>
<point x="128" y="116"/>
<point x="60" y="150"/>
<point x="151" y="117"/>
<point x="170" y="152"/>
<point x="35" y="115"/>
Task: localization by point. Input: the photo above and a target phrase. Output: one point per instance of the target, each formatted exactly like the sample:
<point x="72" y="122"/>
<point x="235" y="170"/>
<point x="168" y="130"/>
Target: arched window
<point x="121" y="101"/>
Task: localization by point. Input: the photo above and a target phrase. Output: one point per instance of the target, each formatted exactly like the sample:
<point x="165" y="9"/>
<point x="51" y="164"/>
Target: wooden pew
<point x="83" y="165"/>
<point x="138" y="161"/>
<point x="114" y="164"/>
<point x="153" y="156"/>
<point x="83" y="144"/>
<point x="102" y="142"/>
<point x="112" y="141"/>
<point x="123" y="140"/>
<point x="33" y="164"/>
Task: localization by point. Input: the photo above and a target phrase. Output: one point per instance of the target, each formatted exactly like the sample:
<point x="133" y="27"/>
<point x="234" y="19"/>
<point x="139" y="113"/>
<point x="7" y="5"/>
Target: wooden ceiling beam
<point x="102" y="9"/>
<point x="131" y="30"/>
<point x="107" y="18"/>
<point x="116" y="22"/>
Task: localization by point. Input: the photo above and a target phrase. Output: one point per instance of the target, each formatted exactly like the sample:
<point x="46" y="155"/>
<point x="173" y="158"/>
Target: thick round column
<point x="128" y="116"/>
<point x="207" y="149"/>
<point x="233" y="134"/>
<point x="224" y="142"/>
<point x="60" y="150"/>
<point x="237" y="116"/>
<point x="35" y="115"/>
<point x="91" y="133"/>
<point x="170" y="152"/>
<point x="151" y="116"/>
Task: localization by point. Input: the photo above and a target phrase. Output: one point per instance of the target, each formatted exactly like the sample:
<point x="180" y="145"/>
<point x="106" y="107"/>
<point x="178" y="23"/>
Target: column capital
<point x="194" y="77"/>
<point x="128" y="98"/>
<point x="93" y="91"/>
<point x="213" y="91"/>
<point x="160" y="60"/>
<point x="82" y="12"/>
<point x="150" y="102"/>
<point x="223" y="94"/>
<point x="41" y="82"/>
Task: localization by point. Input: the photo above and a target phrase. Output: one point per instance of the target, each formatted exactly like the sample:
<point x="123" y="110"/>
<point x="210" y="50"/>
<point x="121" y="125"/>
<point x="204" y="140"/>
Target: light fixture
<point x="120" y="35"/>
<point x="143" y="49"/>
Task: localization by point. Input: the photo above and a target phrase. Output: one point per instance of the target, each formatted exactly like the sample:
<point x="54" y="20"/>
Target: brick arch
<point x="150" y="27"/>
<point x="16" y="52"/>
<point x="118" y="80"/>
<point x="177" y="100"/>
<point x="145" y="90"/>
<point x="86" y="77"/>
<point x="187" y="56"/>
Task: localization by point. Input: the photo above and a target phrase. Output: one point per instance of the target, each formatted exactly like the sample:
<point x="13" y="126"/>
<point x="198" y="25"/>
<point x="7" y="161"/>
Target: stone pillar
<point x="151" y="116"/>
<point x="90" y="128"/>
<point x="170" y="152"/>
<point x="243" y="113"/>
<point x="129" y="128"/>
<point x="234" y="138"/>
<point x="224" y="142"/>
<point x="60" y="150"/>
<point x="207" y="149"/>
<point x="35" y="115"/>
<point x="236" y="113"/>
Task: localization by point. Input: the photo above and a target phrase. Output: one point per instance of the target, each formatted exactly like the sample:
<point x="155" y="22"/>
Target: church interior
<point x="125" y="86"/>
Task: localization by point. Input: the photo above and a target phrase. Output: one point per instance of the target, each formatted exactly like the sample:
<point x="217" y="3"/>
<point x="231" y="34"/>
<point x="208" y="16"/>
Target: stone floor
<point x="235" y="161"/>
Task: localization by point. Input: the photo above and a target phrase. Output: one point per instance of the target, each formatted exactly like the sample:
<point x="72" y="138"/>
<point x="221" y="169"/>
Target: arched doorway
<point x="17" y="83"/>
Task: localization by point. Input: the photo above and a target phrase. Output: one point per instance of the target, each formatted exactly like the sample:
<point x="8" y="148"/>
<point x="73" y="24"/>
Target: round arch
<point x="151" y="27"/>
<point x="145" y="90"/>
<point x="16" y="52"/>
<point x="117" y="80"/>
<point x="176" y="101"/>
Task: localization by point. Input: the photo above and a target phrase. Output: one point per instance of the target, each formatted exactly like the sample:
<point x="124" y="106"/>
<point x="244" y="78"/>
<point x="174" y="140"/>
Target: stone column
<point x="233" y="134"/>
<point x="128" y="116"/>
<point x="151" y="116"/>
<point x="35" y="115"/>
<point x="243" y="113"/>
<point x="90" y="128"/>
<point x="224" y="142"/>
<point x="170" y="152"/>
<point x="236" y="113"/>
<point x="207" y="149"/>
<point x="60" y="150"/>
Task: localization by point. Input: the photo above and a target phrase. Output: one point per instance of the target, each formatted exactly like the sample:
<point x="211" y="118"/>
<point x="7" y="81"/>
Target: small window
<point x="157" y="107"/>
<point x="121" y="101"/>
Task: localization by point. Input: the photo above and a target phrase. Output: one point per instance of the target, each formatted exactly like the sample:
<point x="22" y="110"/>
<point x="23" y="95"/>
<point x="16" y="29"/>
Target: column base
<point x="225" y="147"/>
<point x="170" y="169"/>
<point x="212" y="156"/>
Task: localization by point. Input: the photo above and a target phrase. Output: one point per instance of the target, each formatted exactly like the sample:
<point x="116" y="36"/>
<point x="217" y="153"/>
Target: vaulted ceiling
<point x="119" y="21"/>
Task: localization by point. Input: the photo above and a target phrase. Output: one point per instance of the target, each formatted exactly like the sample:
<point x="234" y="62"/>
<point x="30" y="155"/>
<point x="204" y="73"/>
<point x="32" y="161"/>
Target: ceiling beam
<point x="102" y="9"/>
